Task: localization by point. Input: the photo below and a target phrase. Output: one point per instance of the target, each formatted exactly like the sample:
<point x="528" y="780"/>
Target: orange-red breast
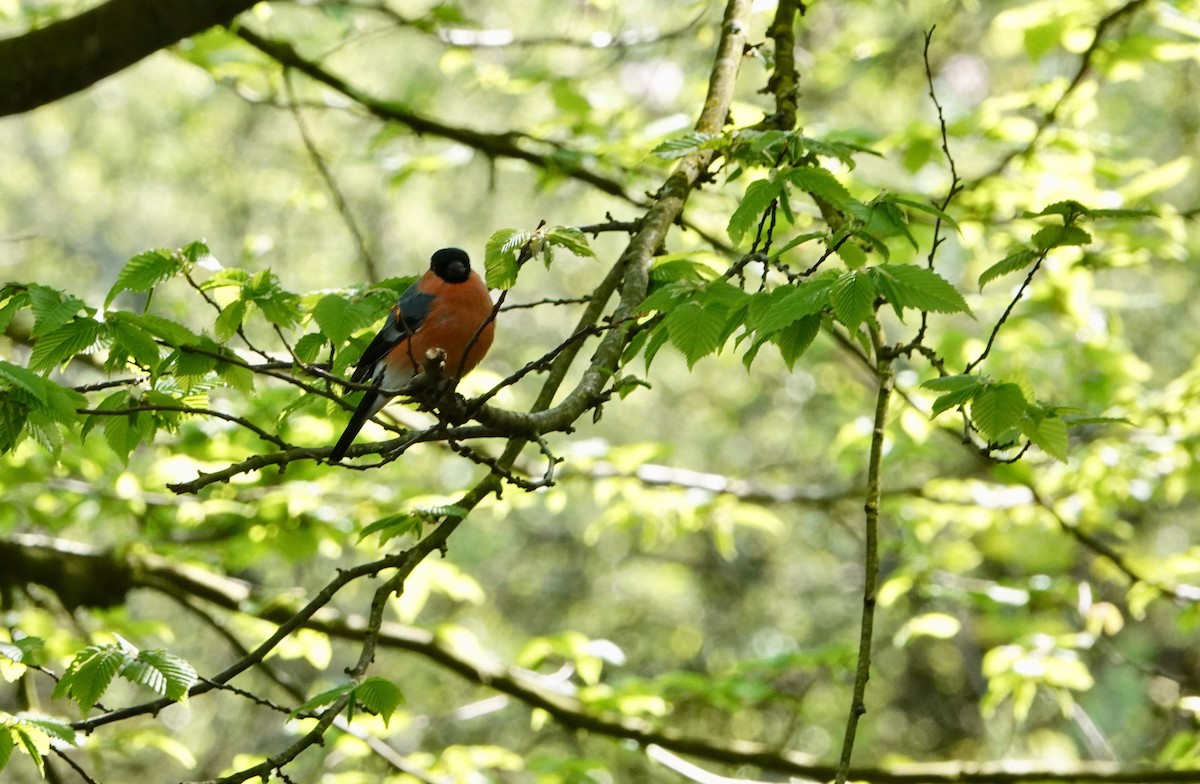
<point x="445" y="309"/>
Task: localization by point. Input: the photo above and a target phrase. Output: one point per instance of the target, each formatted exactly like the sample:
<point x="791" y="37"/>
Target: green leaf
<point x="54" y="729"/>
<point x="393" y="526"/>
<point x="64" y="343"/>
<point x="34" y="742"/>
<point x="1049" y="433"/>
<point x="162" y="672"/>
<point x="13" y="416"/>
<point x="338" y="317"/>
<point x="914" y="286"/>
<point x="570" y="239"/>
<point x="230" y="319"/>
<point x="932" y="209"/>
<point x="958" y="390"/>
<point x="381" y="696"/>
<point x="197" y="252"/>
<point x="1123" y="213"/>
<point x="130" y="342"/>
<point x="852" y="255"/>
<point x="853" y="298"/>
<point x="145" y="271"/>
<point x="169" y="331"/>
<point x="500" y="259"/>
<point x="7" y="744"/>
<point x="1058" y="236"/>
<point x="785" y="305"/>
<point x="688" y="143"/>
<point x="794" y="340"/>
<point x="309" y="346"/>
<point x="324" y="698"/>
<point x="1017" y="260"/>
<point x="51" y="309"/>
<point x="997" y="409"/>
<point x="759" y="195"/>
<point x="15" y="297"/>
<point x="90" y="673"/>
<point x="888" y="220"/>
<point x="15" y="376"/>
<point x="225" y="277"/>
<point x="819" y="182"/>
<point x="1068" y="209"/>
<point x="696" y="330"/>
<point x="799" y="240"/>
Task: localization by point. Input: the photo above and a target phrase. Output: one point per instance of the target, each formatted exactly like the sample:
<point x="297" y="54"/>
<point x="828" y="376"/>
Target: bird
<point x="448" y="308"/>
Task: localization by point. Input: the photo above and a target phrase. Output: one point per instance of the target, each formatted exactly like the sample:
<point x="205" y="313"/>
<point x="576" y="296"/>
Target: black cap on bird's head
<point x="451" y="265"/>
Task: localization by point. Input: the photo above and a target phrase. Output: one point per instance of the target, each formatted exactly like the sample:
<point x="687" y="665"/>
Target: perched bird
<point x="449" y="309"/>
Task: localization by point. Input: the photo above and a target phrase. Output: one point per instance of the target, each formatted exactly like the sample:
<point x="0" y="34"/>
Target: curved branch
<point x="494" y="145"/>
<point x="45" y="65"/>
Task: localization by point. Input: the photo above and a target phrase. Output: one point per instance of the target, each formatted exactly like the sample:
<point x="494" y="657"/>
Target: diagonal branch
<point x="493" y="145"/>
<point x="50" y="63"/>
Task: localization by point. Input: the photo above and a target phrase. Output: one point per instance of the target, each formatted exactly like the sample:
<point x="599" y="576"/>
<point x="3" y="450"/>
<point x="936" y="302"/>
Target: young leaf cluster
<point x="700" y="316"/>
<point x="94" y="668"/>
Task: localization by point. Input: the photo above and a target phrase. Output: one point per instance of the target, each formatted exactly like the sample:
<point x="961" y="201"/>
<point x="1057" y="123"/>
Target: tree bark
<point x="44" y="65"/>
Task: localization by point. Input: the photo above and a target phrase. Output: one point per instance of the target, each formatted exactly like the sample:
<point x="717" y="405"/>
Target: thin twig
<point x="369" y="266"/>
<point x="883" y="366"/>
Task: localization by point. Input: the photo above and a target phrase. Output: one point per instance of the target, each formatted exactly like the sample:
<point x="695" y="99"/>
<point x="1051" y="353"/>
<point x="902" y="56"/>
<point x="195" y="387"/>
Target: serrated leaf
<point x="952" y="383"/>
<point x="54" y="729"/>
<point x="887" y="220"/>
<point x="1014" y="261"/>
<point x="1123" y="213"/>
<point x="853" y="298"/>
<point x="799" y="240"/>
<point x="1058" y="236"/>
<point x="13" y="416"/>
<point x="688" y="143"/>
<point x="90" y="673"/>
<point x="21" y="378"/>
<point x="35" y="742"/>
<point x="173" y="333"/>
<point x="64" y="343"/>
<point x="326" y="697"/>
<point x="51" y="309"/>
<point x="932" y="209"/>
<point x="665" y="298"/>
<point x="225" y="277"/>
<point x="309" y="346"/>
<point x="696" y="330"/>
<point x="997" y="409"/>
<point x="197" y="252"/>
<point x="7" y="744"/>
<point x="162" y="672"/>
<point x="499" y="258"/>
<point x="1069" y="209"/>
<point x="794" y="340"/>
<point x="658" y="338"/>
<point x="570" y="239"/>
<point x="787" y="304"/>
<point x="1047" y="433"/>
<point x="130" y="342"/>
<point x="394" y="525"/>
<point x="759" y="195"/>
<point x="230" y="319"/>
<point x="338" y="317"/>
<point x="381" y="696"/>
<point x="914" y="286"/>
<point x="145" y="271"/>
<point x="819" y="182"/>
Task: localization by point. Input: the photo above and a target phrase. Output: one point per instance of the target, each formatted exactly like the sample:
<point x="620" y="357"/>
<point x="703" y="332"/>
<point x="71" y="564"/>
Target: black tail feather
<point x="361" y="415"/>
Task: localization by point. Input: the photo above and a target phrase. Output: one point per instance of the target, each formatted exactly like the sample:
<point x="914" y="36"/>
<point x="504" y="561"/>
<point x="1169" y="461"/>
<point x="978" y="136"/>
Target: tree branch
<point x="44" y="65"/>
